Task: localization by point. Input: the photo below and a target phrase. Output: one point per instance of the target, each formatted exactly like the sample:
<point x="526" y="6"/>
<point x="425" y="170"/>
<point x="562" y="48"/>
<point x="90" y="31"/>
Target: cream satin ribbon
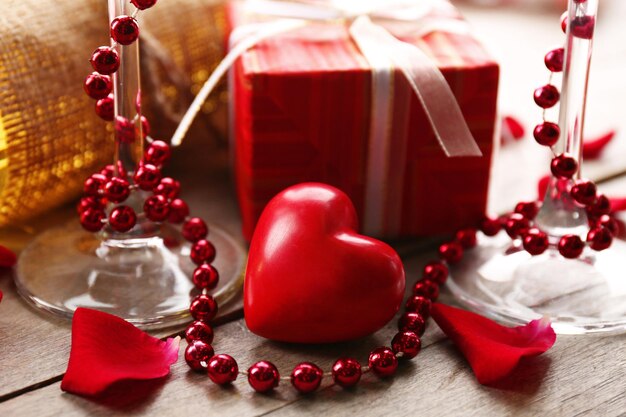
<point x="384" y="52"/>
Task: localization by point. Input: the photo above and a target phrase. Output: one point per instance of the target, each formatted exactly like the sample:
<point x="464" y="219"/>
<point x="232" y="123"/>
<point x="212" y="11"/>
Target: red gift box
<point x="302" y="112"/>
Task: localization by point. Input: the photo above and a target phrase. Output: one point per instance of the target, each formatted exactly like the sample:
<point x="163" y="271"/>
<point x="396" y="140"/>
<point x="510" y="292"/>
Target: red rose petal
<point x="492" y="350"/>
<point x="106" y="349"/>
<point x="7" y="258"/>
<point x="592" y="148"/>
<point x="512" y="129"/>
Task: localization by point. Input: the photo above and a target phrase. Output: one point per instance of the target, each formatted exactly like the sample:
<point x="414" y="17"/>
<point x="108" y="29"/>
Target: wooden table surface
<point x="579" y="376"/>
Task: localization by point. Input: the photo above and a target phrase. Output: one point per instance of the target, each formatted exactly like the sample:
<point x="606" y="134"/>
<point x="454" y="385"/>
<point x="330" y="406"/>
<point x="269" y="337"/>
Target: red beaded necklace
<point x="111" y="185"/>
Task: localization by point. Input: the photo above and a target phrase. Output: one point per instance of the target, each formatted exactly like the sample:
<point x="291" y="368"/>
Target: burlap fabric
<point x="50" y="137"/>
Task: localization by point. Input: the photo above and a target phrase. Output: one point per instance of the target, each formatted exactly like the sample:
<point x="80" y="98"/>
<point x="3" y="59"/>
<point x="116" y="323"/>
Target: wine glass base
<point x="144" y="281"/>
<point x="587" y="295"/>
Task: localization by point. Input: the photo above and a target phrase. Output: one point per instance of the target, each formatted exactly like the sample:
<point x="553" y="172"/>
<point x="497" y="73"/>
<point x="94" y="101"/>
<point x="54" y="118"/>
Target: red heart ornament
<point x="311" y="278"/>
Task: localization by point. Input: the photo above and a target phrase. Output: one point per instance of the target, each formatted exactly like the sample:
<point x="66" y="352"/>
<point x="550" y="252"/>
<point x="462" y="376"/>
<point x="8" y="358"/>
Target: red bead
<point x="583" y="27"/>
<point x="109" y="171"/>
<point x="145" y="127"/>
<point x="408" y="343"/>
<point x="451" y="252"/>
<point x="413" y="322"/>
<point x="203" y="307"/>
<point x="202" y="251"/>
<point x="105" y="60"/>
<point x="105" y="108"/>
<point x="306" y="377"/>
<point x="490" y="226"/>
<point x="124" y="30"/>
<point x="94" y="184"/>
<point x="346" y="372"/>
<point x="206" y="276"/>
<point x="419" y="304"/>
<point x="535" y="242"/>
<point x="199" y="330"/>
<point x="117" y="190"/>
<point x="564" y="18"/>
<point x="571" y="246"/>
<point x="97" y="86"/>
<point x="91" y="219"/>
<point x="547" y="133"/>
<point x="89" y="203"/>
<point x="547" y="96"/>
<point x="584" y="192"/>
<point x="527" y="209"/>
<point x="168" y="187"/>
<point x="147" y="177"/>
<point x="198" y="352"/>
<point x="195" y="229"/>
<point x="466" y="238"/>
<point x="156" y="208"/>
<point x="383" y="362"/>
<point x="600" y="207"/>
<point x="124" y="130"/>
<point x="222" y="369"/>
<point x="599" y="238"/>
<point x="436" y="272"/>
<point x="158" y="153"/>
<point x="426" y="288"/>
<point x="516" y="225"/>
<point x="143" y="4"/>
<point x="609" y="223"/>
<point x="122" y="218"/>
<point x="564" y="166"/>
<point x="263" y="376"/>
<point x="554" y="60"/>
<point x="179" y="210"/>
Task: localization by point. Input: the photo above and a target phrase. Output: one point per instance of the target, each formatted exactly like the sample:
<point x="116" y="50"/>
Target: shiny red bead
<point x="222" y="369"/>
<point x="609" y="223"/>
<point x="419" y="304"/>
<point x="346" y="372"/>
<point x="197" y="353"/>
<point x="599" y="238"/>
<point x="547" y="133"/>
<point x="527" y="209"/>
<point x="203" y="307"/>
<point x="168" y="187"/>
<point x="156" y="208"/>
<point x="516" y="225"/>
<point x="122" y="219"/>
<point x="584" y="192"/>
<point x="564" y="18"/>
<point x="145" y="127"/>
<point x="117" y="190"/>
<point x="124" y="130"/>
<point x="571" y="246"/>
<point x="179" y="210"/>
<point x="91" y="219"/>
<point x="263" y="376"/>
<point x="546" y="96"/>
<point x="105" y="108"/>
<point x="105" y="60"/>
<point x="466" y="238"/>
<point x="600" y="207"/>
<point x="535" y="242"/>
<point x="426" y="288"/>
<point x="383" y="362"/>
<point x="109" y="171"/>
<point x="147" y="177"/>
<point x="564" y="166"/>
<point x="206" y="276"/>
<point x="583" y="27"/>
<point x="158" y="153"/>
<point x="306" y="377"/>
<point x="124" y="30"/>
<point x="413" y="322"/>
<point x="195" y="229"/>
<point x="89" y="203"/>
<point x="199" y="330"/>
<point x="490" y="226"/>
<point x="97" y="86"/>
<point x="408" y="343"/>
<point x="436" y="272"/>
<point x="202" y="251"/>
<point x="94" y="184"/>
<point x="451" y="252"/>
<point x="143" y="4"/>
<point x="554" y="60"/>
